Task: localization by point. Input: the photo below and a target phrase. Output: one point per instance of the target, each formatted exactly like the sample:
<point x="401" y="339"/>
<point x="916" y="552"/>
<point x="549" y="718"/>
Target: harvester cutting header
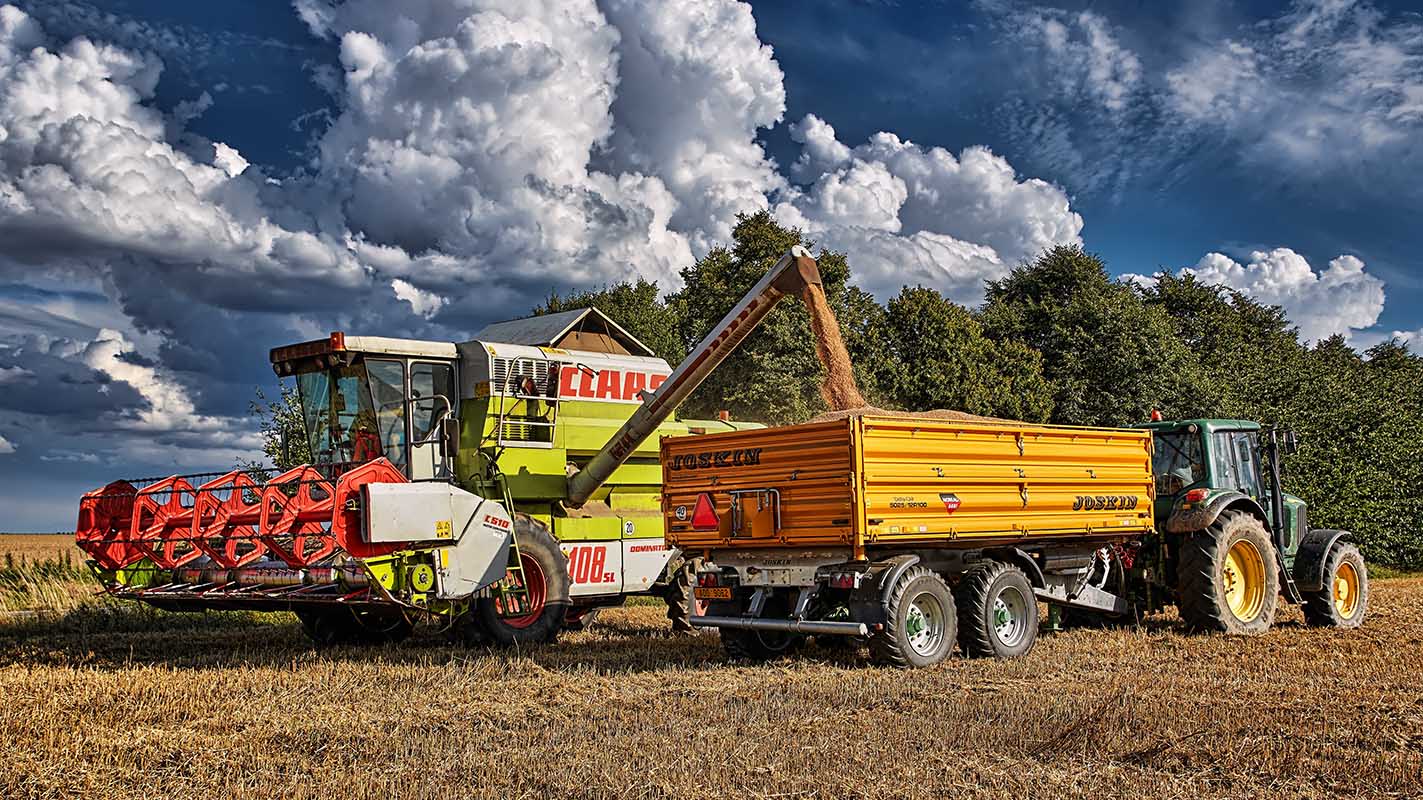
<point x="502" y="487"/>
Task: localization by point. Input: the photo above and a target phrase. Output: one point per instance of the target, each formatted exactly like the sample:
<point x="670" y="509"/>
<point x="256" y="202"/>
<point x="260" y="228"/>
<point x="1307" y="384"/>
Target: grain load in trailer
<point x="802" y="528"/>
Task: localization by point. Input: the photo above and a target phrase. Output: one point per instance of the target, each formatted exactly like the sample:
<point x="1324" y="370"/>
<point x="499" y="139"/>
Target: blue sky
<point x="183" y="186"/>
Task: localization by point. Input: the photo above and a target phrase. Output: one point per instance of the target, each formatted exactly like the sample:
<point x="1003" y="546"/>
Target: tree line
<point x="1059" y="340"/>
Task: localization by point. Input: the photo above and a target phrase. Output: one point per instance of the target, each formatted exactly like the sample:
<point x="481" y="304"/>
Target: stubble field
<point x="118" y="701"/>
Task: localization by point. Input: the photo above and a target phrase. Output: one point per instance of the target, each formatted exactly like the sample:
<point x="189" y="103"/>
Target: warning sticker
<point x="443" y="529"/>
<point x="950" y="501"/>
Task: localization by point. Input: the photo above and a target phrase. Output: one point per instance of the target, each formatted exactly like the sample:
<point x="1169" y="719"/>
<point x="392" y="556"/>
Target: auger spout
<point x="795" y="269"/>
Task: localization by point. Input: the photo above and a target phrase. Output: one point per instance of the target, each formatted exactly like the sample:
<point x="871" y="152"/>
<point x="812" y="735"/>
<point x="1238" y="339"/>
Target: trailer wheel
<point x="741" y="645"/>
<point x="546" y="574"/>
<point x="329" y="627"/>
<point x="1227" y="577"/>
<point x="920" y="622"/>
<point x="998" y="613"/>
<point x="1344" y="600"/>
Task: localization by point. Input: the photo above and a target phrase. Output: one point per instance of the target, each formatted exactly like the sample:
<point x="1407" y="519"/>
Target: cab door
<point x="432" y="396"/>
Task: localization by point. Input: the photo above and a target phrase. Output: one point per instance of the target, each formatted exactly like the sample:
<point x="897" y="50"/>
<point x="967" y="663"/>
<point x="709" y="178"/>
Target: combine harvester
<point x="502" y="488"/>
<point x="915" y="533"/>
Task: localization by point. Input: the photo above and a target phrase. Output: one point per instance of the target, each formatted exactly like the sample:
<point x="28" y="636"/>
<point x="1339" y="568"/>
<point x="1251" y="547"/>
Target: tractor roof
<point x="1208" y="425"/>
<point x="586" y="329"/>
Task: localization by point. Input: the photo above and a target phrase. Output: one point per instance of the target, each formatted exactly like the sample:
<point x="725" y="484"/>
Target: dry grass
<point x="127" y="702"/>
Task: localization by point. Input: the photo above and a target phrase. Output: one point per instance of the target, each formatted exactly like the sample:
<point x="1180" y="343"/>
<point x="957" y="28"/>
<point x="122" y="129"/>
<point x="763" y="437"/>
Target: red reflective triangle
<point x="704" y="516"/>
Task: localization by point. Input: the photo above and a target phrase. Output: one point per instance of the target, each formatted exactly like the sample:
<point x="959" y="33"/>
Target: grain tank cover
<point x="585" y="329"/>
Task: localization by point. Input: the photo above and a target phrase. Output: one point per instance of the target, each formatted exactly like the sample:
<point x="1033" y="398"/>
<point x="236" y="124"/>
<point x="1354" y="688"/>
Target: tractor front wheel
<point x="545" y="576"/>
<point x="1344" y="600"/>
<point x="1227" y="577"/>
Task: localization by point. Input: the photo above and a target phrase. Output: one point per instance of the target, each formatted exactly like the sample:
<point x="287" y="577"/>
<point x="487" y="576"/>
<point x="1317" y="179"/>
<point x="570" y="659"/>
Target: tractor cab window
<point x="1235" y="463"/>
<point x="1177" y="462"/>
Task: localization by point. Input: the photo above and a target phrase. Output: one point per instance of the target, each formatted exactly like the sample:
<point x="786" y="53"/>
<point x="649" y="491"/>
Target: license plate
<point x="711" y="592"/>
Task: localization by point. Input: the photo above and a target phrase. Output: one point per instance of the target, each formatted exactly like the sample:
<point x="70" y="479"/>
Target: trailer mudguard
<point x="1313" y="551"/>
<point x="1202" y="515"/>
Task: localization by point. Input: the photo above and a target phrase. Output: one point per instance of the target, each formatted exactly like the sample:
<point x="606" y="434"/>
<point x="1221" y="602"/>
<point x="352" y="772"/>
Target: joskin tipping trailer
<point x="500" y="489"/>
<point x="918" y="533"/>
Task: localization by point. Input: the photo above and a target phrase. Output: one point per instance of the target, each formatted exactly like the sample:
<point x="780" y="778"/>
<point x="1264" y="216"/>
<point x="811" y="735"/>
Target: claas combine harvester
<point x="502" y="488"/>
<point x="916" y="534"/>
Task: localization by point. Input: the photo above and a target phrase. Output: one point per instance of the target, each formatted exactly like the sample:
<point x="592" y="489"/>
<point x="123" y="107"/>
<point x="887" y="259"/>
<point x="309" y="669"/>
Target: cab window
<point x="1234" y="457"/>
<point x="1177" y="461"/>
<point x="388" y="393"/>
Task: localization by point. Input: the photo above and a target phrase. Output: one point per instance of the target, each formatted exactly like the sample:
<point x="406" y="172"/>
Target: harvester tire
<point x="998" y="612"/>
<point x="342" y="625"/>
<point x="546" y="570"/>
<point x="579" y="618"/>
<point x="1227" y="580"/>
<point x="920" y="622"/>
<point x="681" y="605"/>
<point x="1344" y="600"/>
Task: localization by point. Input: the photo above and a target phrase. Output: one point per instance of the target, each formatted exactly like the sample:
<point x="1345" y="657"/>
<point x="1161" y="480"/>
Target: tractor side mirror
<point x="1288" y="443"/>
<point x="450" y="431"/>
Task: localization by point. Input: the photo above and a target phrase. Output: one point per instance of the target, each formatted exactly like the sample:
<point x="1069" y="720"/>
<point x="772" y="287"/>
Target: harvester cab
<point x="504" y="487"/>
<point x="1235" y="540"/>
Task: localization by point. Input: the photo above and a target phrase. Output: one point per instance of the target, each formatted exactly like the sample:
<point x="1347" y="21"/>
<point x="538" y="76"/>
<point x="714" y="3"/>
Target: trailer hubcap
<point x="924" y="624"/>
<point x="1346" y="590"/>
<point x="1009" y="616"/>
<point x="1242" y="578"/>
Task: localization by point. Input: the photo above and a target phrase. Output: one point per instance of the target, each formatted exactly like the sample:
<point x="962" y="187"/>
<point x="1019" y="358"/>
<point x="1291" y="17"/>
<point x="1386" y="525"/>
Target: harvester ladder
<point x="511" y="593"/>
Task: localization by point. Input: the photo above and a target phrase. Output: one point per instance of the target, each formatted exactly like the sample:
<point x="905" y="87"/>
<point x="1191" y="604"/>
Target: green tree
<point x="1110" y="356"/>
<point x="637" y="306"/>
<point x="934" y="355"/>
<point x="282" y="428"/>
<point x="775" y="375"/>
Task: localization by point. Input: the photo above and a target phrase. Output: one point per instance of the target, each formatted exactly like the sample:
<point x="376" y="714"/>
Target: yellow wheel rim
<point x="1242" y="578"/>
<point x="1346" y="590"/>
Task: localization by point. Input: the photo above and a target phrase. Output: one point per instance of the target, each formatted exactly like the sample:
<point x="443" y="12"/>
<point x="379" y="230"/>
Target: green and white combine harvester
<point x="502" y="488"/>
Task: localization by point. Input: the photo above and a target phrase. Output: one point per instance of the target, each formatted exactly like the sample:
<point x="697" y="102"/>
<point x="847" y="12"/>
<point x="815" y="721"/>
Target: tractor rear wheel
<point x="920" y="622"/>
<point x="998" y="613"/>
<point x="545" y="571"/>
<point x="1344" y="600"/>
<point x="1227" y="577"/>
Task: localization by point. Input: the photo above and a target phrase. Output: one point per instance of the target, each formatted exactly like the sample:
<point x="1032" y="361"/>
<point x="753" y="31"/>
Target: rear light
<point x="1196" y="495"/>
<point x="709" y="579"/>
<point x="704" y="516"/>
<point x="845" y="580"/>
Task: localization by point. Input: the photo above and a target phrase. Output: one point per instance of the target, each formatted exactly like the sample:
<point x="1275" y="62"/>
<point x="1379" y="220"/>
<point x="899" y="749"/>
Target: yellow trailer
<point x="905" y="530"/>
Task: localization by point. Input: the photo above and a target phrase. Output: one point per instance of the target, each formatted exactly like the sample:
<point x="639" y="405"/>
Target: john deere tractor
<point x="1229" y="542"/>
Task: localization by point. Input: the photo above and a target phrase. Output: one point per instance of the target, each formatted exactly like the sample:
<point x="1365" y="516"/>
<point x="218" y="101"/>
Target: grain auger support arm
<point x="795" y="270"/>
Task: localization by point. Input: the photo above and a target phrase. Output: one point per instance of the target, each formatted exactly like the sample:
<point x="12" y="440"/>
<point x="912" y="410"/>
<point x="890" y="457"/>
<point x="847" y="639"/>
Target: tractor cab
<point x="365" y="397"/>
<point x="1204" y="466"/>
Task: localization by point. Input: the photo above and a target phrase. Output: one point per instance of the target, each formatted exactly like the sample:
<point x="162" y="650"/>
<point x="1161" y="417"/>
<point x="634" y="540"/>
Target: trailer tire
<point x="546" y="570"/>
<point x="920" y="622"/>
<point x="757" y="646"/>
<point x="998" y="612"/>
<point x="1344" y="600"/>
<point x="1227" y="580"/>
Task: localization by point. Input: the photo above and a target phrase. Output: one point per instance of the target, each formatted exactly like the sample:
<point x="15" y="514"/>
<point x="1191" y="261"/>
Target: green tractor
<point x="1229" y="542"/>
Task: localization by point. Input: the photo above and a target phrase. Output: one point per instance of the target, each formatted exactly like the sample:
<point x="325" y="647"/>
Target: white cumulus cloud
<point x="1341" y="299"/>
<point x="5" y="447"/>
<point x="424" y="303"/>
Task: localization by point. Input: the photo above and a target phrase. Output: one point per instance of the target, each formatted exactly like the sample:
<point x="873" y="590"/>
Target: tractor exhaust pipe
<point x="795" y="270"/>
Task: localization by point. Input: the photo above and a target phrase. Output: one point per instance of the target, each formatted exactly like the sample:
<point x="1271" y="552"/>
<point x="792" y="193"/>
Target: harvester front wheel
<point x="1344" y="600"/>
<point x="998" y="612"/>
<point x="1227" y="577"/>
<point x="545" y="572"/>
<point x="920" y="623"/>
<point x="329" y="627"/>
